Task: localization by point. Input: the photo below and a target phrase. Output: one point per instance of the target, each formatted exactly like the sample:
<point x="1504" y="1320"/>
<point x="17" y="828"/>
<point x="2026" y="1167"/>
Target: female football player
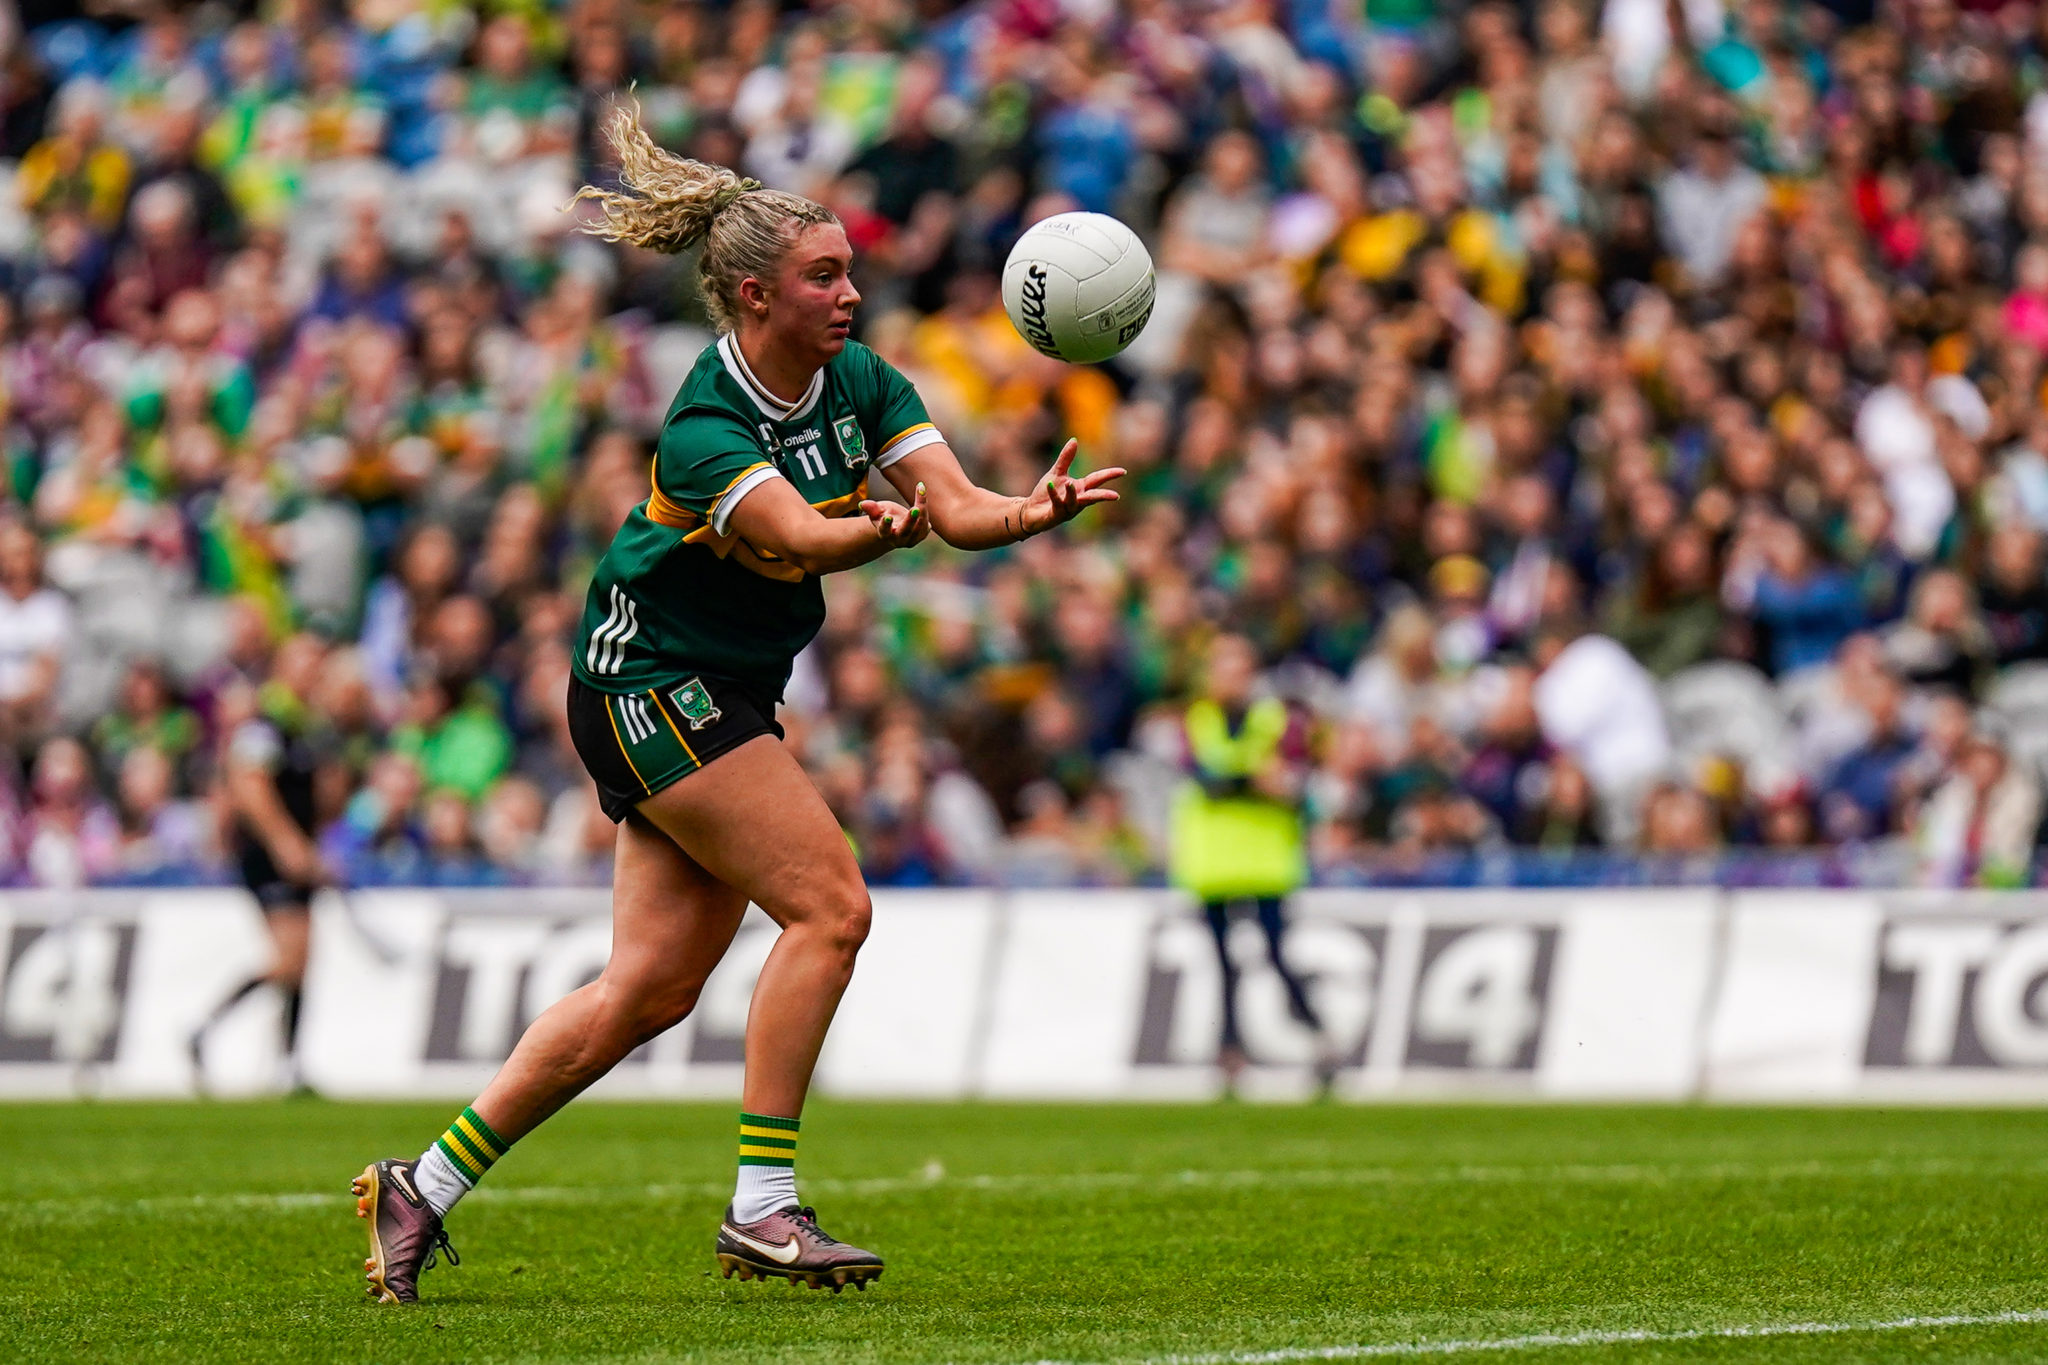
<point x="707" y="593"/>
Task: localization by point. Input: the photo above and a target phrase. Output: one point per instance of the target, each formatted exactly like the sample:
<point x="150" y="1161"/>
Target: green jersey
<point x="678" y="591"/>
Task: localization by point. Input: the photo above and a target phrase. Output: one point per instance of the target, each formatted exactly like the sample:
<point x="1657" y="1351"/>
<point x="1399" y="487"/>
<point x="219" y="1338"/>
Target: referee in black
<point x="272" y="767"/>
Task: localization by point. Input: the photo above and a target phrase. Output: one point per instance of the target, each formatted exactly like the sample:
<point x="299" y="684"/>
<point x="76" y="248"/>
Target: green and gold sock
<point x="767" y="1178"/>
<point x="471" y="1145"/>
<point x="766" y="1141"/>
<point x="458" y="1159"/>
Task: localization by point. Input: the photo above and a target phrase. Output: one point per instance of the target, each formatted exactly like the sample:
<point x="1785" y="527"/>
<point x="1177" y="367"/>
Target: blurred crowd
<point x="1619" y="429"/>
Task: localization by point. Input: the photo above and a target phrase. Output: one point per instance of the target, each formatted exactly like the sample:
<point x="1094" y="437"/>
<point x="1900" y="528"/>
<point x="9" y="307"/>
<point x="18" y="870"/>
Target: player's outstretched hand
<point x="1060" y="497"/>
<point x="900" y="526"/>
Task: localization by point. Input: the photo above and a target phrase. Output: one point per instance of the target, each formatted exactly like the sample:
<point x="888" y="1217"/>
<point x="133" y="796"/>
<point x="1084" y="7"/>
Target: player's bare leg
<point x="671" y="923"/>
<point x="291" y="931"/>
<point x="757" y="823"/>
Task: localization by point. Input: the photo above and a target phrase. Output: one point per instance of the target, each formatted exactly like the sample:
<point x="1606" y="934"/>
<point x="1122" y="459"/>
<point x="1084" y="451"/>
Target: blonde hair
<point x="670" y="203"/>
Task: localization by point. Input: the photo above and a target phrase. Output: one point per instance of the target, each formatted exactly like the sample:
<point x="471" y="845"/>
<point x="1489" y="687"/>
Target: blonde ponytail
<point x="670" y="203"/>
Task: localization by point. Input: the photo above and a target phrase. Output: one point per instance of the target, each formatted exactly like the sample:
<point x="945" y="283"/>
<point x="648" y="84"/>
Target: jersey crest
<point x="853" y="447"/>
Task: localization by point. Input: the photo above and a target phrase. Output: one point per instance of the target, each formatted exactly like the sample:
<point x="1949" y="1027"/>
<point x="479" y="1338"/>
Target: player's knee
<point x="649" y="1008"/>
<point x="663" y="1010"/>
<point x="628" y="1013"/>
<point x="847" y="918"/>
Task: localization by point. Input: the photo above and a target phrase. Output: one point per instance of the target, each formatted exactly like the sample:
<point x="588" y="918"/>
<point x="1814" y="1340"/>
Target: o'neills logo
<point x="1031" y="302"/>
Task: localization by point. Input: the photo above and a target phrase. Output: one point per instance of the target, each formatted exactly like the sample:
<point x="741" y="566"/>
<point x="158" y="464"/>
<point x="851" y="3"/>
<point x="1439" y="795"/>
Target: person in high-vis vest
<point x="1237" y="834"/>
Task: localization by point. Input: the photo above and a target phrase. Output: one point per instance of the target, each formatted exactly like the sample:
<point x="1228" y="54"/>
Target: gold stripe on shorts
<point x="663" y="712"/>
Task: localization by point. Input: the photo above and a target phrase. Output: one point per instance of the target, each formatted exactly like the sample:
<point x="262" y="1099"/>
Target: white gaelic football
<point x="1078" y="286"/>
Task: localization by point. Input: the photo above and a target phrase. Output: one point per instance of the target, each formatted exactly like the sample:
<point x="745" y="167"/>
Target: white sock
<point x="441" y="1185"/>
<point x="763" y="1190"/>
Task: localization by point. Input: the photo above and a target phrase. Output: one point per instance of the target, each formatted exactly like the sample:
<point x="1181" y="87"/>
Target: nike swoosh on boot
<point x="785" y="1253"/>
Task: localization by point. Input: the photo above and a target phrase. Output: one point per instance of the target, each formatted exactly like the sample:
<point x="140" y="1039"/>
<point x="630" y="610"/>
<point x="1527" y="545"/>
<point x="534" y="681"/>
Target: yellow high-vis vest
<point x="1232" y="847"/>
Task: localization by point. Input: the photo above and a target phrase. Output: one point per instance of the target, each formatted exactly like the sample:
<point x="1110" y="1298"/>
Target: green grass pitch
<point x="223" y="1232"/>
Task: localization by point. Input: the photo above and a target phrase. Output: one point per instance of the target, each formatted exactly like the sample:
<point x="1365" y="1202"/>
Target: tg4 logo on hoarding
<point x="1961" y="992"/>
<point x="1392" y="994"/>
<point x="495" y="973"/>
<point x="63" y="987"/>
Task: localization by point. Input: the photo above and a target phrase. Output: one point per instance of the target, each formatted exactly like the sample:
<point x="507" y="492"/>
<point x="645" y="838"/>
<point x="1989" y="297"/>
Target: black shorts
<point x="636" y="743"/>
<point x="273" y="890"/>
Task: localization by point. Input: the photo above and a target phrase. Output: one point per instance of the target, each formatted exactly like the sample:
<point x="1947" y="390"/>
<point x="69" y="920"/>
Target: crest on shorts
<point x="853" y="447"/>
<point x="695" y="703"/>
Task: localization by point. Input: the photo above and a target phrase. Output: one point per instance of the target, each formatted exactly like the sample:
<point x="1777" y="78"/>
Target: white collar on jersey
<point x="771" y="407"/>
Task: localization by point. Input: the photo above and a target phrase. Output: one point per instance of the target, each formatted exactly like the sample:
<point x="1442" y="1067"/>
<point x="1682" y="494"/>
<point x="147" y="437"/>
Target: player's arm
<point x="918" y="462"/>
<point x="708" y="470"/>
<point x="970" y="517"/>
<point x="773" y="516"/>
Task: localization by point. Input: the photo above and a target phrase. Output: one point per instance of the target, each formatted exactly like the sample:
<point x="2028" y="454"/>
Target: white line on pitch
<point x="1543" y="1341"/>
<point x="1054" y="1183"/>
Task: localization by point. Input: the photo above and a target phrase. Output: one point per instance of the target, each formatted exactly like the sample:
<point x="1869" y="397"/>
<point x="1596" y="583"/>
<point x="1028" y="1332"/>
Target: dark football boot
<point x="405" y="1232"/>
<point x="789" y="1244"/>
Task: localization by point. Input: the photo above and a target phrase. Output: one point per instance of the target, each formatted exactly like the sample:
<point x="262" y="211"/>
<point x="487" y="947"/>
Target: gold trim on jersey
<point x="843" y="506"/>
<point x="663" y="512"/>
<point x="890" y="444"/>
<point x="742" y="477"/>
<point x="732" y="546"/>
<point x="765" y="563"/>
<point x="666" y="511"/>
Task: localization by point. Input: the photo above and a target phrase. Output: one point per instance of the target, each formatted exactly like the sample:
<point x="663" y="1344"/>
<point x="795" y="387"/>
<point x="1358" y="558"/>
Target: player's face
<point x="814" y="299"/>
